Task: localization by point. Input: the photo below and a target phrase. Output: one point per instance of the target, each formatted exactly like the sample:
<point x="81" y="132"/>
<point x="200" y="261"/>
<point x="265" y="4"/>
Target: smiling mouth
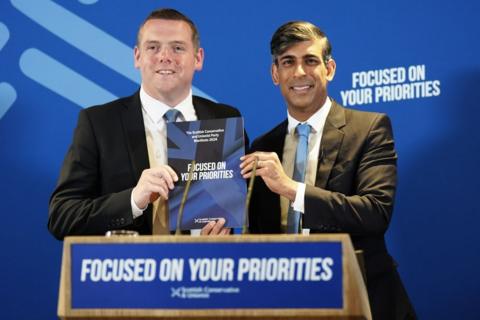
<point x="302" y="88"/>
<point x="165" y="72"/>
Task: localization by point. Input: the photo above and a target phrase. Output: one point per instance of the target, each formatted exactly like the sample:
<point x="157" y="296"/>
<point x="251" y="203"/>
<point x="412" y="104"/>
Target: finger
<point x="246" y="159"/>
<point x="161" y="190"/>
<point x="152" y="182"/>
<point x="207" y="228"/>
<point x="156" y="185"/>
<point x="218" y="226"/>
<point x="247" y="156"/>
<point x="172" y="173"/>
<point x="167" y="174"/>
<point x="154" y="179"/>
<point x="247" y="168"/>
<point x="168" y="180"/>
<point x="225" y="231"/>
<point x="247" y="175"/>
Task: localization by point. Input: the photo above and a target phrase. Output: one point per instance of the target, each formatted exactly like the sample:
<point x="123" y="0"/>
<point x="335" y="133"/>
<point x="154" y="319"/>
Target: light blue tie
<point x="171" y="115"/>
<point x="301" y="159"/>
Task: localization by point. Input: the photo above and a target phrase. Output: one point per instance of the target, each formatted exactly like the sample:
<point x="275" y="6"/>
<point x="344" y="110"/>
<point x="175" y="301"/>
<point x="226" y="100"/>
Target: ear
<point x="331" y="67"/>
<point x="274" y="71"/>
<point x="199" y="57"/>
<point x="136" y="57"/>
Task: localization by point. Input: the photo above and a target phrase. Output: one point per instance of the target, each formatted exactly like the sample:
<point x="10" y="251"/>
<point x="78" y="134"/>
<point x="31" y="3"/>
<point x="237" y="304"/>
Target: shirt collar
<point x="316" y="121"/>
<point x="157" y="109"/>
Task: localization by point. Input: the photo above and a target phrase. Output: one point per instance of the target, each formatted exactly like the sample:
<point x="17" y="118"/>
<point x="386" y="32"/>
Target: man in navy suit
<point x="350" y="177"/>
<point x="115" y="174"/>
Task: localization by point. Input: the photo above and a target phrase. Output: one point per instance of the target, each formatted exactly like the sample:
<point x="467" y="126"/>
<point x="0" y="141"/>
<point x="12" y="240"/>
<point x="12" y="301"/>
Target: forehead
<point x="305" y="48"/>
<point x="165" y="30"/>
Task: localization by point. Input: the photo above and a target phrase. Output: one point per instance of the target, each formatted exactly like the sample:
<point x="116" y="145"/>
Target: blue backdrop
<point x="58" y="57"/>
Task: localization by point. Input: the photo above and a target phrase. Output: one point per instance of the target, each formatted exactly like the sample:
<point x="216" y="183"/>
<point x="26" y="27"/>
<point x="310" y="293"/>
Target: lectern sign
<point x="197" y="275"/>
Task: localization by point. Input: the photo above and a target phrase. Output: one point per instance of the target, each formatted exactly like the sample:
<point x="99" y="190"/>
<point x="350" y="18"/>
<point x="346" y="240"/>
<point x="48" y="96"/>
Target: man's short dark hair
<point x="294" y="32"/>
<point x="171" y="14"/>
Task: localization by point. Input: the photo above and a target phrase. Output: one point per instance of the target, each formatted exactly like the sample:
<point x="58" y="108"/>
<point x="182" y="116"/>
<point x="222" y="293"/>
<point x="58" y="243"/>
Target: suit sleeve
<point x="366" y="207"/>
<point x="78" y="206"/>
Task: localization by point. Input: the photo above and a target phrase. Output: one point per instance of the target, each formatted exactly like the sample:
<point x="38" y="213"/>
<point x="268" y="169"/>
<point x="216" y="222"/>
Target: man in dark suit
<point x="115" y="174"/>
<point x="350" y="177"/>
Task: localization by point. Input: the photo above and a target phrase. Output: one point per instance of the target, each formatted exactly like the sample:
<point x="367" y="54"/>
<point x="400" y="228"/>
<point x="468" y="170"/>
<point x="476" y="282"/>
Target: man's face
<point x="303" y="76"/>
<point x="167" y="59"/>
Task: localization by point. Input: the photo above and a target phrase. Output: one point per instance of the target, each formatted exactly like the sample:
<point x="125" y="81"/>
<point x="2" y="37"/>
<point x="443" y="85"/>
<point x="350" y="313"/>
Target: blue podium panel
<point x="207" y="275"/>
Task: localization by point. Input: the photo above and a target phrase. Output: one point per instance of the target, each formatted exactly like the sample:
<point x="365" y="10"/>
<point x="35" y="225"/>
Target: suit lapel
<point x="277" y="141"/>
<point x="134" y="130"/>
<point x="332" y="138"/>
<point x="203" y="110"/>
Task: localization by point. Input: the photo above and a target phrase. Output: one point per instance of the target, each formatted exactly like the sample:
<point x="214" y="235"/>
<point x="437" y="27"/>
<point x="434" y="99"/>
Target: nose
<point x="299" y="70"/>
<point x="164" y="55"/>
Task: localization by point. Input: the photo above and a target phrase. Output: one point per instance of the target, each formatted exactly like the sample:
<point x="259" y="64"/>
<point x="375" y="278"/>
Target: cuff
<point x="136" y="211"/>
<point x="299" y="203"/>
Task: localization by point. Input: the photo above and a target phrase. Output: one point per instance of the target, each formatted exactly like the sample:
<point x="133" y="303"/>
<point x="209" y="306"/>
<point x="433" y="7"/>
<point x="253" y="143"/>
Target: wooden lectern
<point x="78" y="277"/>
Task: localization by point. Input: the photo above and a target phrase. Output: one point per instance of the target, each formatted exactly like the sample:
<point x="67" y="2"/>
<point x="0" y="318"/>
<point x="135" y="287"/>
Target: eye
<point x="312" y="61"/>
<point x="152" y="47"/>
<point x="287" y="62"/>
<point x="178" y="48"/>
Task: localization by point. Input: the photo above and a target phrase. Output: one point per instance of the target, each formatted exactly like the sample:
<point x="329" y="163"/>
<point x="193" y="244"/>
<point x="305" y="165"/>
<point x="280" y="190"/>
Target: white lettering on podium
<point x="285" y="269"/>
<point x="211" y="269"/>
<point x="208" y="269"/>
<point x="106" y="270"/>
<point x="170" y="270"/>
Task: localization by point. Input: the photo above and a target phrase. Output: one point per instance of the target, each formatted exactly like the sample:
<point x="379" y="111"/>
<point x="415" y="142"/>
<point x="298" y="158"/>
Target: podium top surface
<point x="229" y="238"/>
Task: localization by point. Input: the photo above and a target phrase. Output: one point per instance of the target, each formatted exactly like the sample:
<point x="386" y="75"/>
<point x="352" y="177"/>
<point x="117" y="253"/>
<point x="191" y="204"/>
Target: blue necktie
<point x="301" y="159"/>
<point x="171" y="115"/>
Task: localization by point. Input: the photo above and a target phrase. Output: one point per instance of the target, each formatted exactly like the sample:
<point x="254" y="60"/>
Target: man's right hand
<point x="153" y="183"/>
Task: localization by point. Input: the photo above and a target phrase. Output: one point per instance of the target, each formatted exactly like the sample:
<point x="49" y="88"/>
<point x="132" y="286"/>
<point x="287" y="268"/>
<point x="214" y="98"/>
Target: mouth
<point x="165" y="72"/>
<point x="301" y="88"/>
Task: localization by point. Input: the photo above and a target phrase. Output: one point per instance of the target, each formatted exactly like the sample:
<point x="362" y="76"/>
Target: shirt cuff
<point x="136" y="211"/>
<point x="299" y="203"/>
<point x="195" y="232"/>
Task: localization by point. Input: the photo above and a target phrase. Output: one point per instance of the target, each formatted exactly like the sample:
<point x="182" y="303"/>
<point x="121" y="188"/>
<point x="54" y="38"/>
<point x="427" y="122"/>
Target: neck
<point x="302" y="115"/>
<point x="171" y="100"/>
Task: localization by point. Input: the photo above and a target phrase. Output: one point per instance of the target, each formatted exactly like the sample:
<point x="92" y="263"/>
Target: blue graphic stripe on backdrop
<point x="4" y="35"/>
<point x="61" y="79"/>
<point x="84" y="36"/>
<point x="81" y="34"/>
<point x="8" y="95"/>
<point x="87" y="1"/>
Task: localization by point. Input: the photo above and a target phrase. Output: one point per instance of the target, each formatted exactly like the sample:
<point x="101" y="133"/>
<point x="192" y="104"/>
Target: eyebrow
<point x="308" y="55"/>
<point x="287" y="57"/>
<point x="171" y="42"/>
